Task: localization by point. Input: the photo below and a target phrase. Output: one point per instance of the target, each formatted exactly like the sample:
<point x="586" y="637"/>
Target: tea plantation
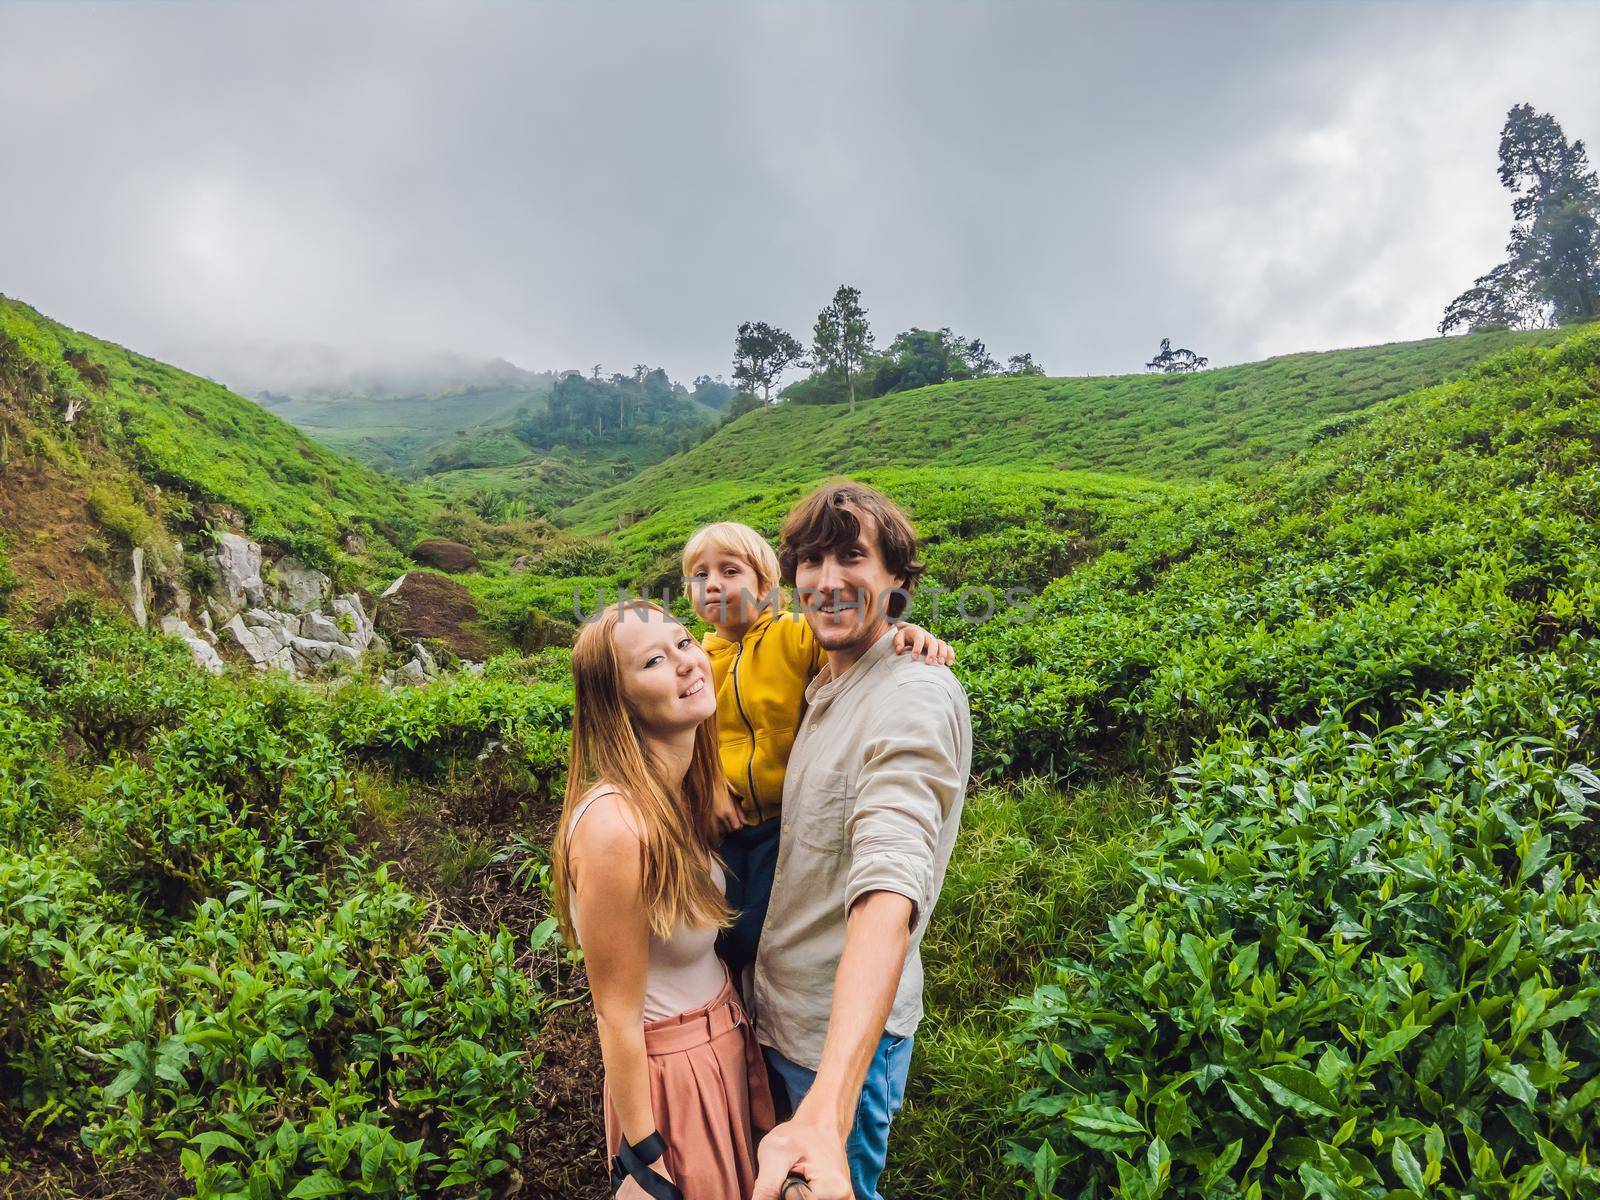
<point x="1277" y="878"/>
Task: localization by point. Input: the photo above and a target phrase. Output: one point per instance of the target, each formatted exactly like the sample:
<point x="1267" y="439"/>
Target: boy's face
<point x="723" y="589"/>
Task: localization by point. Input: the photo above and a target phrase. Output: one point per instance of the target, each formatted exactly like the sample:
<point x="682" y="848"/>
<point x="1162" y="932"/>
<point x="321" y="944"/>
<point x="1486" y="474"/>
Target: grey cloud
<point x="564" y="184"/>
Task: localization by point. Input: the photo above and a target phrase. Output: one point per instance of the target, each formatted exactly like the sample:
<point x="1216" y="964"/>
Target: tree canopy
<point x="1551" y="274"/>
<point x="1176" y="362"/>
<point x="761" y="354"/>
<point x="842" y="339"/>
<point x="618" y="408"/>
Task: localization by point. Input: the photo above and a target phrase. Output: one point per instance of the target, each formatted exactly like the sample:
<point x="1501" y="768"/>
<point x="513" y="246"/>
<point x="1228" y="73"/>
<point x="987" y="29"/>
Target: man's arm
<point x="910" y="778"/>
<point x="876" y="937"/>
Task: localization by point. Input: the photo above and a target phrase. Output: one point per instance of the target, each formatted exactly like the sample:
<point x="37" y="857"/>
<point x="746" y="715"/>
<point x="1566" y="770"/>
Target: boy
<point x="762" y="658"/>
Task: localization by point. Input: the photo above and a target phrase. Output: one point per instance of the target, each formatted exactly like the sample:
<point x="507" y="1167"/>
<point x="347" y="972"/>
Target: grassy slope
<point x="401" y="433"/>
<point x="210" y="446"/>
<point x="1153" y="426"/>
<point x="544" y="481"/>
<point x="1444" y="544"/>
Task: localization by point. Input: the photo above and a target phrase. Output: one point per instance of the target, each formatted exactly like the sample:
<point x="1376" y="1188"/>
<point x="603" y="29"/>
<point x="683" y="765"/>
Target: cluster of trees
<point x="616" y="408"/>
<point x="1551" y="273"/>
<point x="845" y="362"/>
<point x="713" y="393"/>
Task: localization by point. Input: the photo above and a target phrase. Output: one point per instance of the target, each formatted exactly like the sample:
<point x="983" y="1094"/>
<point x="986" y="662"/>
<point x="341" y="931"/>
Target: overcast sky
<point x="566" y="184"/>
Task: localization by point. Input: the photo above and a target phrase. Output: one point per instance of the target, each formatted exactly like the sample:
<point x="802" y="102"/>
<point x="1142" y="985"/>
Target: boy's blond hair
<point x="739" y="541"/>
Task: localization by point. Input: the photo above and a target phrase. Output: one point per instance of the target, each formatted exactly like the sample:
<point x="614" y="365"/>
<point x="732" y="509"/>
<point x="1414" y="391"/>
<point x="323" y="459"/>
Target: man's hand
<point x="726" y="815"/>
<point x="809" y="1150"/>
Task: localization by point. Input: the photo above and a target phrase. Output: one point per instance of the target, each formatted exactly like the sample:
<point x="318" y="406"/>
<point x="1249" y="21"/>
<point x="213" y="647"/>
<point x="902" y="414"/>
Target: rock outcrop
<point x="204" y="652"/>
<point x="294" y="586"/>
<point x="445" y="555"/>
<point x="137" y="587"/>
<point x="237" y="566"/>
<point x="283" y="616"/>
<point x="279" y="616"/>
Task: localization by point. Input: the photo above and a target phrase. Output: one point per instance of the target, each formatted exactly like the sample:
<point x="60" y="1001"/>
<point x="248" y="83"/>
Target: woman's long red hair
<point x="674" y="822"/>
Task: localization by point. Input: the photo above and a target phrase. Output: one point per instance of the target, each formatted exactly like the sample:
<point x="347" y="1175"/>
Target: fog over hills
<point x="311" y="370"/>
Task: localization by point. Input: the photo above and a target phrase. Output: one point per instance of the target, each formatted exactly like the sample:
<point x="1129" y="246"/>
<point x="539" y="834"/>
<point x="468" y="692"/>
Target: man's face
<point x="844" y="591"/>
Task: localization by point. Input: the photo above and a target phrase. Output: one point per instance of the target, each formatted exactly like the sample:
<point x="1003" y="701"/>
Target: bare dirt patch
<point x="46" y="524"/>
<point x="432" y="607"/>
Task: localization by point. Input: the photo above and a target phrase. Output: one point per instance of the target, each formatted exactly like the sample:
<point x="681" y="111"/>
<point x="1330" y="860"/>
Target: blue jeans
<point x="867" y="1147"/>
<point x="751" y="858"/>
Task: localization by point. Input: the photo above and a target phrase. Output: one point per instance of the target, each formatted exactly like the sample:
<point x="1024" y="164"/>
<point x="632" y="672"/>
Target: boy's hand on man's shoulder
<point x="919" y="643"/>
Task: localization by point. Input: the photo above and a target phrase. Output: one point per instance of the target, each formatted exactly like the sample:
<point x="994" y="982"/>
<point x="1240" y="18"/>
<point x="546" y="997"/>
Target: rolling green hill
<point x="1228" y="420"/>
<point x="200" y="447"/>
<point x="402" y="433"/>
<point x="1276" y="878"/>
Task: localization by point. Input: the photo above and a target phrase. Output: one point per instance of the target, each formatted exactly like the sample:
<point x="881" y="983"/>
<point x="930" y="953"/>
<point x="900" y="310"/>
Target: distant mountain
<point x="387" y="407"/>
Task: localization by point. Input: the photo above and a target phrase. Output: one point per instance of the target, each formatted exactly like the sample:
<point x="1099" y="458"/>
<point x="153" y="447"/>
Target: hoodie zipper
<point x="750" y="763"/>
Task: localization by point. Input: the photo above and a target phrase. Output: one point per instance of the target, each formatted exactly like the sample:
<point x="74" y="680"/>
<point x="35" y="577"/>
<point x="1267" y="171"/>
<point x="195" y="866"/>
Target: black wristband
<point x="633" y="1162"/>
<point x="649" y="1148"/>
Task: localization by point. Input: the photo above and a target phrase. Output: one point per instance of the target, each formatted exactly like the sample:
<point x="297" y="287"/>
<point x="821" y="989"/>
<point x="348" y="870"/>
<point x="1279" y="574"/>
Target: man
<point x="871" y="804"/>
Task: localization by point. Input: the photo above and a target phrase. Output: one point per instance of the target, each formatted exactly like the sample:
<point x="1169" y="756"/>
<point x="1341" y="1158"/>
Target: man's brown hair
<point x="827" y="520"/>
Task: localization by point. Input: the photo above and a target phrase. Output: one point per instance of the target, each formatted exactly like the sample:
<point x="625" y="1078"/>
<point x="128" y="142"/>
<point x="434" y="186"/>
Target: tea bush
<point x="340" y="1049"/>
<point x="1447" y="531"/>
<point x="193" y="964"/>
<point x="1359" y="964"/>
<point x="26" y="738"/>
<point x="110" y="686"/>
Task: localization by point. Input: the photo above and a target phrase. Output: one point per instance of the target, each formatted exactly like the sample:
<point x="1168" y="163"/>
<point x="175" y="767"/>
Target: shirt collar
<point x="713" y="638"/>
<point x="825" y="687"/>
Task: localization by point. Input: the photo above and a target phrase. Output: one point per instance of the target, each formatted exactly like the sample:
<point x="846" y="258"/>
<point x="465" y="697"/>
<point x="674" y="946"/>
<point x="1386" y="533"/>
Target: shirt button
<point x="813" y="727"/>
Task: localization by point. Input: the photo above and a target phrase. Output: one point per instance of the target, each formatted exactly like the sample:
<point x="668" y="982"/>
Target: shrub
<point x="26" y="737"/>
<point x="111" y="684"/>
<point x="1358" y="965"/>
<point x="343" y="1051"/>
<point x="229" y="795"/>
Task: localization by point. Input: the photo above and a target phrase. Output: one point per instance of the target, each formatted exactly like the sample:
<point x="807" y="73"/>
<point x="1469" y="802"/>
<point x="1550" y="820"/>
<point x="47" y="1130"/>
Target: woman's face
<point x="666" y="677"/>
<point x="723" y="589"/>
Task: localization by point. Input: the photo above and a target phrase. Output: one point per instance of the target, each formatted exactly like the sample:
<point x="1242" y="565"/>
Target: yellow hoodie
<point x="761" y="696"/>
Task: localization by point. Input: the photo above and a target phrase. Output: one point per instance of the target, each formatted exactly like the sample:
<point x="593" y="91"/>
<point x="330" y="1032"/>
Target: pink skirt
<point x="708" y="1091"/>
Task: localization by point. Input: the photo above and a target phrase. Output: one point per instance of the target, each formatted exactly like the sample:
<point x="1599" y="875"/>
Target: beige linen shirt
<point x="871" y="802"/>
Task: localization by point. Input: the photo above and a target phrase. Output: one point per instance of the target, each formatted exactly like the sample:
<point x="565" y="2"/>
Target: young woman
<point x="638" y="886"/>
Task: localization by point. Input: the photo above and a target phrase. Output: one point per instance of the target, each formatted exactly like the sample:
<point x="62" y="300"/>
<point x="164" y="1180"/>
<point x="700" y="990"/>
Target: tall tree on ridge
<point x="1551" y="275"/>
<point x="1176" y="362"/>
<point x="842" y="338"/>
<point x="761" y="354"/>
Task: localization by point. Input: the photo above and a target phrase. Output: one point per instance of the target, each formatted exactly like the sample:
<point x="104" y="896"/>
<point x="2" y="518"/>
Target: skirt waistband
<point x="685" y="1030"/>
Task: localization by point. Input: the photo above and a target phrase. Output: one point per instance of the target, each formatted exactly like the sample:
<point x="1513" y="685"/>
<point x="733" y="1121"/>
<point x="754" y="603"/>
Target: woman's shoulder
<point x="604" y="820"/>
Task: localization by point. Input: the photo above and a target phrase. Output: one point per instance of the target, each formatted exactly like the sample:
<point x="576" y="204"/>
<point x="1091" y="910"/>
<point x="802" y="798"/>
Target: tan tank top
<point x="684" y="972"/>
